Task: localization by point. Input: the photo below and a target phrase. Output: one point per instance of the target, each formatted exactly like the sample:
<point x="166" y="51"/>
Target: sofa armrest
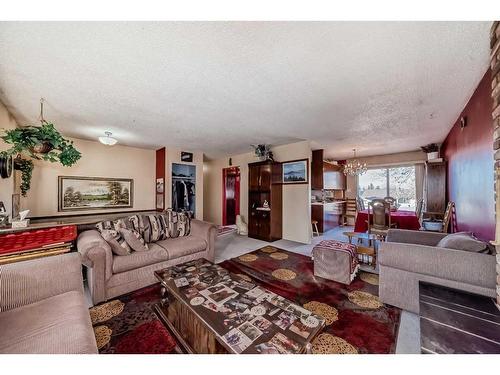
<point x="458" y="265"/>
<point x="208" y="232"/>
<point x="419" y="237"/>
<point x="26" y="282"/>
<point x="96" y="252"/>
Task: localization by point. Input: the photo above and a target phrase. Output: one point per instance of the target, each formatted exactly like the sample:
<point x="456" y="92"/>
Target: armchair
<point x="43" y="309"/>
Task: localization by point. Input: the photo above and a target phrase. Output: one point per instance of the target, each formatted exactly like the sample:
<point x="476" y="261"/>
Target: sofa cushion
<point x="134" y="239"/>
<point x="155" y="254"/>
<point x="181" y="246"/>
<point x="463" y="241"/>
<point x="59" y="324"/>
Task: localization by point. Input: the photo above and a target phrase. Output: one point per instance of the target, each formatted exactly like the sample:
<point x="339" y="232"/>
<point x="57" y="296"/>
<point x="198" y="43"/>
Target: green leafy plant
<point x="41" y="143"/>
<point x="26" y="167"/>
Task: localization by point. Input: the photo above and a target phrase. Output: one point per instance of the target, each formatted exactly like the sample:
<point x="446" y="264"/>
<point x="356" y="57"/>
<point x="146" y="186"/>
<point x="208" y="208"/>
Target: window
<point x="396" y="182"/>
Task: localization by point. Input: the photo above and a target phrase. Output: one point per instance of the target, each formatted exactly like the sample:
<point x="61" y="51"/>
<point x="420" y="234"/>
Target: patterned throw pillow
<point x="175" y="224"/>
<point x="109" y="231"/>
<point x="117" y="243"/>
<point x="148" y="226"/>
<point x="134" y="239"/>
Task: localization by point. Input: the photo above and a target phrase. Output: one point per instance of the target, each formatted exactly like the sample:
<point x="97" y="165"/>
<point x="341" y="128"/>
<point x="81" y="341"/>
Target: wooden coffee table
<point x="210" y="310"/>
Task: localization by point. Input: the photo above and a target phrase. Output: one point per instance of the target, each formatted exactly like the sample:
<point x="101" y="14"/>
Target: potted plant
<point x="432" y="151"/>
<point x="41" y="143"/>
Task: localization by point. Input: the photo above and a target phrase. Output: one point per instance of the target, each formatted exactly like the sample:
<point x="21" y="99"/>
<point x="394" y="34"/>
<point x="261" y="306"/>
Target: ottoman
<point x="335" y="260"/>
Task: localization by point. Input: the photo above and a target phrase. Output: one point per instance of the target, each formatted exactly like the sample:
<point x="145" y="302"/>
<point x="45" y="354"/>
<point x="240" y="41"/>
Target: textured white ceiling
<point x="218" y="87"/>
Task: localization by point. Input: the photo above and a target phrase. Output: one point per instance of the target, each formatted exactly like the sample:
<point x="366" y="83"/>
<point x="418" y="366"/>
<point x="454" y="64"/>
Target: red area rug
<point x="128" y="325"/>
<point x="356" y="321"/>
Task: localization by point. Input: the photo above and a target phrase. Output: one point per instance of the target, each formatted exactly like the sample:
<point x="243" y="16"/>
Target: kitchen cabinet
<point x="333" y="177"/>
<point x="325" y="175"/>
<point x="317" y="170"/>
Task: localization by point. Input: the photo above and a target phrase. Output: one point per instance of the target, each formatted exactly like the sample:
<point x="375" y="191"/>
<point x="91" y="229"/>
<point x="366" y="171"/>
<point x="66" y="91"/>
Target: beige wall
<point x="173" y="155"/>
<point x="384" y="160"/>
<point x="7" y="186"/>
<point x="296" y="198"/>
<point x="97" y="160"/>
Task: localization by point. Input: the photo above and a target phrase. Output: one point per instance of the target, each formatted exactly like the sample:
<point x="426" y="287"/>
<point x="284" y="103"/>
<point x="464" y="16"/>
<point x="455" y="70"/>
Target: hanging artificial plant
<point x="42" y="142"/>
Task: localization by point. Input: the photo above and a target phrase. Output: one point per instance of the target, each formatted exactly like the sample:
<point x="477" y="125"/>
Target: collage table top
<point x="244" y="317"/>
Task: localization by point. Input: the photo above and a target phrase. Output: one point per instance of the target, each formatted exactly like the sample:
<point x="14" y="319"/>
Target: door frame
<point x="236" y="191"/>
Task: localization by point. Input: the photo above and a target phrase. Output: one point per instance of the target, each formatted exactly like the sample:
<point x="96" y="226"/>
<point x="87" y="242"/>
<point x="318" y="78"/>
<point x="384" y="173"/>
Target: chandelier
<point x="354" y="167"/>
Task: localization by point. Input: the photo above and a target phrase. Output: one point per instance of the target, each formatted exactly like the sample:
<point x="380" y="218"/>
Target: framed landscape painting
<point x="296" y="171"/>
<point x="94" y="193"/>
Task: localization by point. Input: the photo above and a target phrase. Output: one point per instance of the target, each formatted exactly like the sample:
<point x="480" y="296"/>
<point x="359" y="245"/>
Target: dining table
<point x="403" y="220"/>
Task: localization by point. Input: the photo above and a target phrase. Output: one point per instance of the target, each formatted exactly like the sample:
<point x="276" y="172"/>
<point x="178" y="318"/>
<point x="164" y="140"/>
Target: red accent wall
<point x="160" y="173"/>
<point x="469" y="153"/>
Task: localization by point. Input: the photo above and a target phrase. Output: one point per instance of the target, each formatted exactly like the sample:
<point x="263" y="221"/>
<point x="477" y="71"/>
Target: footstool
<point x="335" y="260"/>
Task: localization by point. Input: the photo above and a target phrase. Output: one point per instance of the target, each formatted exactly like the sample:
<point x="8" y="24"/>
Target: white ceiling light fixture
<point x="108" y="140"/>
<point x="354" y="167"/>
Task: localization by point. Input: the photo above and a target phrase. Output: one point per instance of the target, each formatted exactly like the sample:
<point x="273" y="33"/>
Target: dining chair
<point x="447" y="216"/>
<point x="360" y="204"/>
<point x="445" y="222"/>
<point x="390" y="200"/>
<point x="419" y="208"/>
<point x="379" y="217"/>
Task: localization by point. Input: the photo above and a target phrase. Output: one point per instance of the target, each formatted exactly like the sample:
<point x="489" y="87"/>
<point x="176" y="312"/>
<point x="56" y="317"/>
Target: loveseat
<point x="111" y="275"/>
<point x="408" y="257"/>
<point x="43" y="309"/>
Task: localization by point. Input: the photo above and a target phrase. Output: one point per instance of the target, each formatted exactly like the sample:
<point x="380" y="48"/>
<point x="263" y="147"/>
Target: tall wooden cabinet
<point x="264" y="184"/>
<point x="435" y="181"/>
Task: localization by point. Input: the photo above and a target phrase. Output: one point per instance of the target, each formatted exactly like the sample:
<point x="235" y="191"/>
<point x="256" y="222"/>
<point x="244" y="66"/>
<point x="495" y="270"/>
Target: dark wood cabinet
<point x="264" y="185"/>
<point x="317" y="214"/>
<point x="317" y="170"/>
<point x="435" y="187"/>
<point x="325" y="175"/>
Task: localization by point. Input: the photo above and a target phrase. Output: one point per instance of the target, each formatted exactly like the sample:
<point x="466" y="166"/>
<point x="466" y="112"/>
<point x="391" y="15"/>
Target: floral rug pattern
<point x="357" y="322"/>
<point x="128" y="325"/>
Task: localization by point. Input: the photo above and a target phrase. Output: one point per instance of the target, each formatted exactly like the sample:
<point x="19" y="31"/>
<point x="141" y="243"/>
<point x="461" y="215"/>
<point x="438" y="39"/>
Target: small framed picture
<point x="296" y="171"/>
<point x="160" y="185"/>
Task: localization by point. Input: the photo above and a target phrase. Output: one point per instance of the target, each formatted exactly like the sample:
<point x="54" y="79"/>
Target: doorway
<point x="230" y="195"/>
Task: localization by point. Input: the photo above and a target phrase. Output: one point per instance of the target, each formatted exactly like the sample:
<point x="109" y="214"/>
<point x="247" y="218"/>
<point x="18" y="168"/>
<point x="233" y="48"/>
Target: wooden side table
<point x="367" y="255"/>
<point x="361" y="236"/>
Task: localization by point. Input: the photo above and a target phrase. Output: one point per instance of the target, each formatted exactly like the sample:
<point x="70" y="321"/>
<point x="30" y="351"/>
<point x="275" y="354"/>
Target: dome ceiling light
<point x="108" y="140"/>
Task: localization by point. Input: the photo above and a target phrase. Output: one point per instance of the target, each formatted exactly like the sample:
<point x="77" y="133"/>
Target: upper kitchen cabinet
<point x="326" y="175"/>
<point x="333" y="177"/>
<point x="317" y="170"/>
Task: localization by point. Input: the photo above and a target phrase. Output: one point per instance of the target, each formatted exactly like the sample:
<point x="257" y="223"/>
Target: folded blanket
<point x="333" y="245"/>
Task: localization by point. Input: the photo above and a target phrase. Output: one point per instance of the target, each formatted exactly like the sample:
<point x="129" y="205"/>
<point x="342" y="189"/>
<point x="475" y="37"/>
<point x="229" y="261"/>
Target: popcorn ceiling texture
<point x="495" y="94"/>
<point x="217" y="87"/>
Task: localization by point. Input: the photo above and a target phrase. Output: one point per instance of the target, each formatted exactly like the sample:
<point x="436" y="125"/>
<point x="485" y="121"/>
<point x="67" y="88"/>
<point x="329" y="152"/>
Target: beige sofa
<point x="110" y="275"/>
<point x="408" y="257"/>
<point x="43" y="309"/>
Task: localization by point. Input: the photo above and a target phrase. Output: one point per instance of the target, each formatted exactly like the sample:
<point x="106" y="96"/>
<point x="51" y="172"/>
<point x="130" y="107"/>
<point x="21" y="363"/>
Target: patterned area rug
<point x="128" y="325"/>
<point x="356" y="320"/>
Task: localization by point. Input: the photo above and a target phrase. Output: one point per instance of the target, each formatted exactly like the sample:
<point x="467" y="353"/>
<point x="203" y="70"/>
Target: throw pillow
<point x="176" y="223"/>
<point x="134" y="239"/>
<point x="148" y="226"/>
<point x="463" y="241"/>
<point x="117" y="243"/>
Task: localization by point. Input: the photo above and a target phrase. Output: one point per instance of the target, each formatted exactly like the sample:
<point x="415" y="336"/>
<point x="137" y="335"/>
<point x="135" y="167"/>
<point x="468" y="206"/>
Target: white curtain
<point x="420" y="181"/>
